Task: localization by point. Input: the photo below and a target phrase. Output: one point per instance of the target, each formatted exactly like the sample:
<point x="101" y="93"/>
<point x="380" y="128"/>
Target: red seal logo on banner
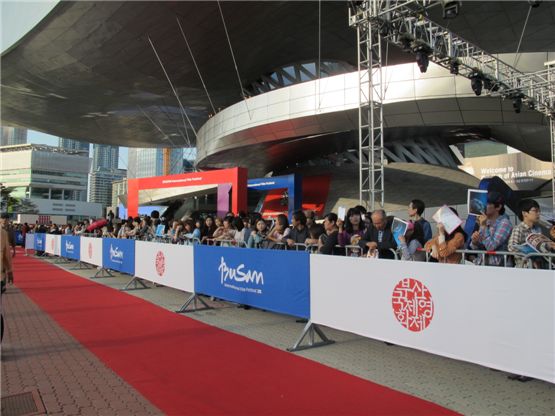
<point x="52" y="244"/>
<point x="413" y="305"/>
<point x="90" y="250"/>
<point x="160" y="263"/>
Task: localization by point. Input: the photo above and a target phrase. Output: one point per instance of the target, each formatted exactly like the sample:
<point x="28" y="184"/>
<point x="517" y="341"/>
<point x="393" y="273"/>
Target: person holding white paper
<point x="443" y="246"/>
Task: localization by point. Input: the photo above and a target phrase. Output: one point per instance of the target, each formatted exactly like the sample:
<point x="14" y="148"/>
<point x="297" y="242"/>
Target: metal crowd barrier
<point x="548" y="257"/>
<point x="483" y="255"/>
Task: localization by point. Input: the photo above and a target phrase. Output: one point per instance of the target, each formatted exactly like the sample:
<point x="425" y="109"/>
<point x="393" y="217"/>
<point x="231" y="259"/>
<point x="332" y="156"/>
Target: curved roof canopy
<point x="88" y="71"/>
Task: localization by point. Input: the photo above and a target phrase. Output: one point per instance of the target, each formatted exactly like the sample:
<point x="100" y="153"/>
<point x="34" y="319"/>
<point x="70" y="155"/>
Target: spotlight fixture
<point x="517" y="103"/>
<point x="476" y="82"/>
<point x="422" y="60"/>
<point x="534" y="3"/>
<point x="385" y="27"/>
<point x="422" y="51"/>
<point x="450" y="8"/>
<point x="490" y="84"/>
<point x="454" y="67"/>
<point x="406" y="41"/>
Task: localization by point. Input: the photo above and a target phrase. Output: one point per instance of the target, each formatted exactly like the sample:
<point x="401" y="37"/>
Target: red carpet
<point x="186" y="367"/>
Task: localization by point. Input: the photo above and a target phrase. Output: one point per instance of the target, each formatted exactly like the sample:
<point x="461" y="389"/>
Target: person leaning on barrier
<point x="443" y="246"/>
<point x="208" y="228"/>
<point x="310" y="218"/>
<point x="495" y="229"/>
<point x="378" y="236"/>
<point x="279" y="231"/>
<point x="299" y="231"/>
<point x="415" y="210"/>
<point x="412" y="243"/>
<point x="314" y="233"/>
<point x="258" y="237"/>
<point x="529" y="214"/>
<point x="328" y="240"/>
<point x="227" y="230"/>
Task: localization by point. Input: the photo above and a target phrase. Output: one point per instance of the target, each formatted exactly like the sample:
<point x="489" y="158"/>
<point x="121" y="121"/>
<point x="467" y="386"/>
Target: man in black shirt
<point x="299" y="230"/>
<point x="328" y="241"/>
<point x="379" y="236"/>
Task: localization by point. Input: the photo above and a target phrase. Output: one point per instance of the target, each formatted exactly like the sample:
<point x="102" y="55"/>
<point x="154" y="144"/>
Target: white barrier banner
<point x="29" y="241"/>
<point x="91" y="250"/>
<point x="168" y="264"/>
<point x="53" y="244"/>
<point x="498" y="317"/>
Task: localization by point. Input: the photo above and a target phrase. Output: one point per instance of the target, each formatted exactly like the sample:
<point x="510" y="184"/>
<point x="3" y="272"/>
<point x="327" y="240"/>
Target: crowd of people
<point x="359" y="233"/>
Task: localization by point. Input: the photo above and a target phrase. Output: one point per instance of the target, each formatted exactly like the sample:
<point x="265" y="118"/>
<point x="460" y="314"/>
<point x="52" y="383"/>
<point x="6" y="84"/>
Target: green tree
<point x="13" y="205"/>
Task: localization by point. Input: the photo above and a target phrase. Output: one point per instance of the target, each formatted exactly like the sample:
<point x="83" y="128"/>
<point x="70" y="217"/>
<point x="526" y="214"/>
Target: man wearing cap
<point x="495" y="229"/>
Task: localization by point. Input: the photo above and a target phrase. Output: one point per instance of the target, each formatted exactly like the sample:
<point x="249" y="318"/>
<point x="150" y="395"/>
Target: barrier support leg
<point x="61" y="260"/>
<point x="136" y="281"/>
<point x="81" y="266"/>
<point x="310" y="329"/>
<point x="193" y="299"/>
<point x="102" y="272"/>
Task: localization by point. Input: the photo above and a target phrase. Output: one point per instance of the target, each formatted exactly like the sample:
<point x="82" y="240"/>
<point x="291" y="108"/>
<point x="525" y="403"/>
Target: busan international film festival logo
<point x="69" y="247"/>
<point x="239" y="276"/>
<point x="90" y="250"/>
<point x="160" y="263"/>
<point x="413" y="305"/>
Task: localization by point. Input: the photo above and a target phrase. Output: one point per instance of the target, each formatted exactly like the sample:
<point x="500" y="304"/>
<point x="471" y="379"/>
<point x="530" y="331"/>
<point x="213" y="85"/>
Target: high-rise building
<point x="105" y="157"/>
<point x="100" y="185"/>
<point x="74" y="145"/>
<point x="119" y="188"/>
<point x="13" y="135"/>
<point x="55" y="180"/>
<point x="143" y="163"/>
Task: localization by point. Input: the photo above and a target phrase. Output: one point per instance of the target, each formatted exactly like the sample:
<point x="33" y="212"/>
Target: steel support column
<point x="370" y="112"/>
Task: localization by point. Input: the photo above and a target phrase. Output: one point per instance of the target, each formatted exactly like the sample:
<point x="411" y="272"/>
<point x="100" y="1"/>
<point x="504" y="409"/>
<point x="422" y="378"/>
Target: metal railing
<point x="532" y="260"/>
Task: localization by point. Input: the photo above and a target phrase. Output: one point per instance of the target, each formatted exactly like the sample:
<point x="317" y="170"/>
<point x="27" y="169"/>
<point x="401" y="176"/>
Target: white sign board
<point x="29" y="241"/>
<point x="91" y="250"/>
<point x="498" y="317"/>
<point x="53" y="244"/>
<point x="168" y="264"/>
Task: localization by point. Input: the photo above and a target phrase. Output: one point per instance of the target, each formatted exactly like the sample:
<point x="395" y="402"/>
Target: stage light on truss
<point x="422" y="60"/>
<point x="454" y="67"/>
<point x="450" y="8"/>
<point x="476" y="81"/>
<point x="517" y="103"/>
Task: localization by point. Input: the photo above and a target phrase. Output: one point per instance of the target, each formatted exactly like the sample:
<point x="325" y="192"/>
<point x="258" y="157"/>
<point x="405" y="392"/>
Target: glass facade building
<point x="74" y="145"/>
<point x="13" y="135"/>
<point x="105" y="157"/>
<point x="143" y="163"/>
<point x="100" y="185"/>
<point x="44" y="172"/>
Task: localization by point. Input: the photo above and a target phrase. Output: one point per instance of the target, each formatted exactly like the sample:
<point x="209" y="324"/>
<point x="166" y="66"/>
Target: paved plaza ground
<point x="38" y="354"/>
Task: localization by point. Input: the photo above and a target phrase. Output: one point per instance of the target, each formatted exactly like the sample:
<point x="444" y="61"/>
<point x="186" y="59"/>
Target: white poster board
<point x="498" y="317"/>
<point x="29" y="241"/>
<point x="53" y="244"/>
<point x="167" y="264"/>
<point x="91" y="250"/>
